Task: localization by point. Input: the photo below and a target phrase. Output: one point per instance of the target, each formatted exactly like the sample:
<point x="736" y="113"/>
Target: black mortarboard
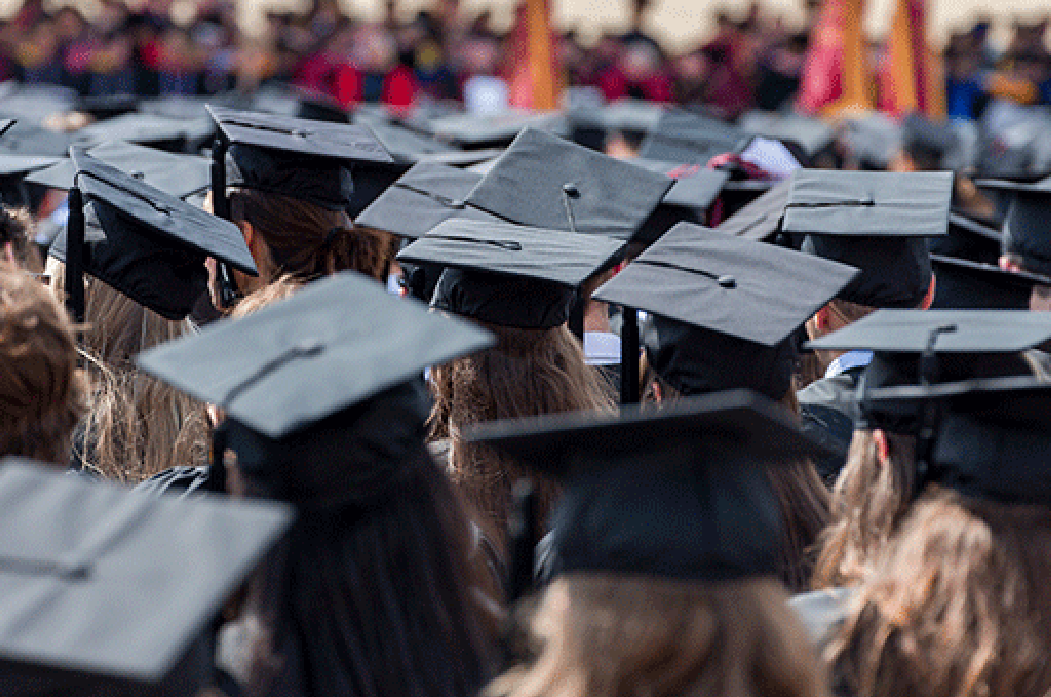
<point x="147" y="244"/>
<point x="927" y="141"/>
<point x="409" y="146"/>
<point x="873" y="139"/>
<point x="22" y="165"/>
<point x="913" y="347"/>
<point x="29" y="139"/>
<point x="761" y="218"/>
<point x="421" y="198"/>
<point x="812" y="135"/>
<point x="104" y="106"/>
<point x="968" y="239"/>
<point x="178" y="175"/>
<point x="683" y="137"/>
<point x="989" y="438"/>
<point x="964" y="284"/>
<point x="592" y="123"/>
<point x="293" y="157"/>
<point x="111" y="592"/>
<point x="292" y="376"/>
<point x="488" y="131"/>
<point x="31" y="104"/>
<point x="672" y="493"/>
<point x="1027" y="233"/>
<point x="547" y="182"/>
<point x="143" y="129"/>
<point x="874" y="221"/>
<point x="509" y="274"/>
<point x="726" y="307"/>
<point x="695" y="189"/>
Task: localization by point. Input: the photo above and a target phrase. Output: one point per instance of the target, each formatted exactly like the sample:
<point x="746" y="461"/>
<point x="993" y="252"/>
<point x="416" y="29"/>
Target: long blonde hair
<point x="958" y="605"/>
<point x="530" y="372"/>
<point x="602" y="635"/>
<point x="136" y="425"/>
<point x="868" y="501"/>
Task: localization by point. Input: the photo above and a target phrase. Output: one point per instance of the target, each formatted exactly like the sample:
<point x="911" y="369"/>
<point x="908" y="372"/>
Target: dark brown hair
<point x="530" y="372"/>
<point x="16" y="229"/>
<point x="308" y="241"/>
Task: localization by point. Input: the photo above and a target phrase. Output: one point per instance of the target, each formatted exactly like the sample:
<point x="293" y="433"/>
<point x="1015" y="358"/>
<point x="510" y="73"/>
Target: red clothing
<point x="347" y="85"/>
<point x="400" y="88"/>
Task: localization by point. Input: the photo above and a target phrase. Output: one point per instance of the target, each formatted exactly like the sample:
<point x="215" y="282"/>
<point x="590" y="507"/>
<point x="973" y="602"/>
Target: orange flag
<point x="912" y="78"/>
<point x="835" y="75"/>
<point x="534" y="83"/>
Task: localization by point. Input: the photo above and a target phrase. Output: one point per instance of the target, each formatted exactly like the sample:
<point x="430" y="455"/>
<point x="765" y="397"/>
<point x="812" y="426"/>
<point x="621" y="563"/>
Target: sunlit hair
<point x="601" y="635"/>
<point x="41" y="393"/>
<point x="958" y="605"/>
<point x="801" y="495"/>
<point x="868" y="501"/>
<point x="530" y="372"/>
<point x="308" y="241"/>
<point x="136" y="425"/>
<point x="16" y="230"/>
<point x="281" y="289"/>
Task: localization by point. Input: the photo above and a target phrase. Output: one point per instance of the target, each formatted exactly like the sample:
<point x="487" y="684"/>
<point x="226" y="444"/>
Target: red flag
<point x="835" y="77"/>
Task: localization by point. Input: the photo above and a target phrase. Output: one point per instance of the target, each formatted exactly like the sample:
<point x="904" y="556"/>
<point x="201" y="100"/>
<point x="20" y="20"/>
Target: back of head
<point x="530" y="372"/>
<point x="615" y="635"/>
<point x="40" y="392"/>
<point x="308" y="241"/>
<point x="16" y="238"/>
<point x="958" y="604"/>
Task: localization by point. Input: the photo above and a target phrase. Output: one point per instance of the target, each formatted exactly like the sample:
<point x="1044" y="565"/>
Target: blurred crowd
<point x="750" y="61"/>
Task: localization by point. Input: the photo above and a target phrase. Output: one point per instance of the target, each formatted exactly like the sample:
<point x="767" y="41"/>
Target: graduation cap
<point x="695" y="189"/>
<point x="761" y="218"/>
<point x="22" y="138"/>
<point x="671" y="493"/>
<point x="962" y="284"/>
<point x="289" y="156"/>
<point x="31" y="104"/>
<point x="5" y="125"/>
<point x="1026" y="233"/>
<point x="968" y="239"/>
<point x="178" y="175"/>
<point x="297" y="378"/>
<point x="810" y="134"/>
<point x="510" y="275"/>
<point x="987" y="438"/>
<point x="928" y="142"/>
<point x="108" y="591"/>
<point x="142" y="129"/>
<point x="725" y="307"/>
<point x="426" y="195"/>
<point x="874" y="221"/>
<point x="684" y="137"/>
<point x="147" y="244"/>
<point x="104" y="106"/>
<point x="13" y="171"/>
<point x="472" y="132"/>
<point x="874" y="139"/>
<point x="935" y="346"/>
<point x="547" y="182"/>
<point x="633" y="118"/>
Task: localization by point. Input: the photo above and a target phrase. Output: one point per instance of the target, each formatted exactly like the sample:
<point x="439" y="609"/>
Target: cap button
<point x="727" y="281"/>
<point x="136" y="174"/>
<point x="571" y="190"/>
<point x="308" y="345"/>
<point x="297" y="133"/>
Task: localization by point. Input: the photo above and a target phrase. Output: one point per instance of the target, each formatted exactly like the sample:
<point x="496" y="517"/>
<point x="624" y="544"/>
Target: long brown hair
<point x="868" y="502"/>
<point x="136" y="425"/>
<point x="958" y="605"/>
<point x="601" y="635"/>
<point x="41" y="392"/>
<point x="530" y="372"/>
<point x="307" y="241"/>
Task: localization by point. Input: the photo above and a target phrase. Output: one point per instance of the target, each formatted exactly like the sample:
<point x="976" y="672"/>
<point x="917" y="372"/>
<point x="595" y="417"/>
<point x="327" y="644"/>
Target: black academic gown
<point x="828" y="408"/>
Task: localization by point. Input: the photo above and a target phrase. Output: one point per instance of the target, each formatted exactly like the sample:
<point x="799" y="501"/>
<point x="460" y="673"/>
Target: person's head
<point x="613" y="635"/>
<point x="957" y="604"/>
<point x="16" y="239"/>
<point x="870" y="497"/>
<point x="136" y="425"/>
<point x="292" y="236"/>
<point x="41" y="394"/>
<point x="529" y="372"/>
<point x="395" y="524"/>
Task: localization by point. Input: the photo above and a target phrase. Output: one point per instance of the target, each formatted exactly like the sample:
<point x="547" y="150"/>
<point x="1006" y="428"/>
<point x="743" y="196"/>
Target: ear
<point x="882" y="446"/>
<point x="821" y="319"/>
<point x="929" y="298"/>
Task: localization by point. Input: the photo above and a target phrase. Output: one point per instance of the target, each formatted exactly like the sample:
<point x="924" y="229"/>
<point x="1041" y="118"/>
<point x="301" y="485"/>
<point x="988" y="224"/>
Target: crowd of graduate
<point x="617" y="400"/>
<point x="750" y="60"/>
